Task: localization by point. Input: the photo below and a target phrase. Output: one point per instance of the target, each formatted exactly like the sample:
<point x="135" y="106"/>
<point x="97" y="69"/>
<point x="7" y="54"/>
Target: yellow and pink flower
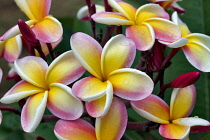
<point x="111" y="73"/>
<point x="106" y="128"/>
<point x="46" y="86"/>
<point x="147" y="23"/>
<point x="174" y="120"/>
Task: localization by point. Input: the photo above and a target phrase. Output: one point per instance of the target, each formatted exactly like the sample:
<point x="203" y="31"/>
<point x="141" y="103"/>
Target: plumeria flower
<point x="194" y="45"/>
<point x="148" y="22"/>
<point x="111" y="73"/>
<point x="46" y="86"/>
<point x="175" y="123"/>
<point x="11" y="48"/>
<point x="106" y="128"/>
<point x="169" y="4"/>
<point x="83" y="13"/>
<point x="46" y="28"/>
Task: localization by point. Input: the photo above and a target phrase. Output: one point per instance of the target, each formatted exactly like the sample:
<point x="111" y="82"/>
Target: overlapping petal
<point x="33" y="111"/>
<point x="88" y="52"/>
<point x="32" y="69"/>
<point x="119" y="52"/>
<point x="165" y="30"/>
<point x="152" y="108"/>
<point x="182" y="102"/>
<point x="48" y="30"/>
<point x="131" y="84"/>
<point x="112" y="126"/>
<point x="179" y="43"/>
<point x="110" y="18"/>
<point x="99" y="107"/>
<point x="12" y="48"/>
<point x="62" y="103"/>
<point x="174" y="131"/>
<point x="74" y="130"/>
<point x="191" y="121"/>
<point x="143" y="36"/>
<point x="148" y="11"/>
<point x="19" y="91"/>
<point x="89" y="88"/>
<point x="68" y="67"/>
<point x="200" y="38"/>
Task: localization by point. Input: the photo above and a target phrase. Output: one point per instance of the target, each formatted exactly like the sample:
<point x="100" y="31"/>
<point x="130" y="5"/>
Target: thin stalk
<point x="11" y="109"/>
<point x="49" y="118"/>
<point x="50" y="49"/>
<point x="109" y="32"/>
<point x="92" y="10"/>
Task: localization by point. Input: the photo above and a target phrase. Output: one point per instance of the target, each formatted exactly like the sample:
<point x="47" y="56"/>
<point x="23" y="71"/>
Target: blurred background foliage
<point x="197" y="17"/>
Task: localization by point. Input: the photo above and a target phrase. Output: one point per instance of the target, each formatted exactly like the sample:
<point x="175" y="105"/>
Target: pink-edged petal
<point x="165" y="30"/>
<point x="12" y="32"/>
<point x="110" y="18"/>
<point x="191" y="121"/>
<point x="112" y="126"/>
<point x="19" y="91"/>
<point x="148" y="11"/>
<point x="64" y="69"/>
<point x="198" y="55"/>
<point x="177" y="44"/>
<point x="119" y="52"/>
<point x="174" y="131"/>
<point x="199" y="129"/>
<point x="124" y="8"/>
<point x="74" y="130"/>
<point x="83" y="13"/>
<point x="13" y="47"/>
<point x="177" y="7"/>
<point x="143" y="35"/>
<point x="33" y="111"/>
<point x="131" y="84"/>
<point x="62" y="103"/>
<point x="182" y="102"/>
<point x="88" y="51"/>
<point x="48" y="30"/>
<point x="32" y="69"/>
<point x="1" y="75"/>
<point x="89" y="88"/>
<point x="201" y="38"/>
<point x="99" y="107"/>
<point x="34" y="9"/>
<point x="152" y="108"/>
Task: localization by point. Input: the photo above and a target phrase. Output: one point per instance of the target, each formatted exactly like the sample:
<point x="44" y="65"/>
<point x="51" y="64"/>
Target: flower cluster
<point x="88" y="89"/>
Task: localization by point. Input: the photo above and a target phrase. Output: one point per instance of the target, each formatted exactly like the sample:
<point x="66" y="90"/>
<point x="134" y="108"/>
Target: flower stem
<point x="50" y="49"/>
<point x="11" y="109"/>
<point x="92" y="10"/>
<point x="49" y="118"/>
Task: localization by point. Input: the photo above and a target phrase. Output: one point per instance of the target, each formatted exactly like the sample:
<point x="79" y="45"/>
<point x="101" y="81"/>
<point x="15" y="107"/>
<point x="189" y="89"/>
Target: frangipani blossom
<point x="148" y="22"/>
<point x="106" y="128"/>
<point x="46" y="28"/>
<point x="46" y="86"/>
<point x="175" y="123"/>
<point x="166" y="4"/>
<point x="111" y="73"/>
<point x="195" y="46"/>
<point x="11" y="48"/>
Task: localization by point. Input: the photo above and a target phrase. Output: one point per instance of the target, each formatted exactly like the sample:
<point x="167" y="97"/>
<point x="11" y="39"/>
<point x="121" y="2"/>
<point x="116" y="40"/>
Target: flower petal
<point x="201" y="38"/>
<point x="99" y="107"/>
<point x="74" y="130"/>
<point x="124" y="8"/>
<point x="32" y="69"/>
<point x="89" y="88"/>
<point x="34" y="9"/>
<point x="182" y="102"/>
<point x="148" y="11"/>
<point x="174" y="131"/>
<point x="112" y="126"/>
<point x="33" y="111"/>
<point x="88" y="51"/>
<point x="165" y="30"/>
<point x="64" y="69"/>
<point x="131" y="84"/>
<point x="119" y="52"/>
<point x="19" y="91"/>
<point x="143" y="36"/>
<point x="191" y="121"/>
<point x="110" y="18"/>
<point x="12" y="48"/>
<point x="48" y="30"/>
<point x="152" y="108"/>
<point x="198" y="55"/>
<point x="1" y="75"/>
<point x="62" y="103"/>
<point x="177" y="44"/>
